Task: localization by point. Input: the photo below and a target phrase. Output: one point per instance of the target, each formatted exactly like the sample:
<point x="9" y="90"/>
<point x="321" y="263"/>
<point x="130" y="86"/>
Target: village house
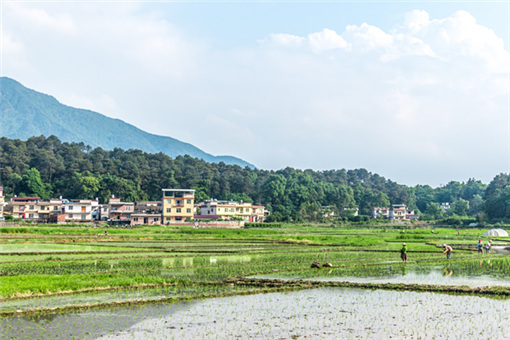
<point x="147" y="213"/>
<point x="395" y="212"/>
<point x="145" y="218"/>
<point x="226" y="210"/>
<point x="80" y="210"/>
<point x="1" y="203"/>
<point x="177" y="205"/>
<point x="33" y="208"/>
<point x="119" y="212"/>
<point x="444" y="206"/>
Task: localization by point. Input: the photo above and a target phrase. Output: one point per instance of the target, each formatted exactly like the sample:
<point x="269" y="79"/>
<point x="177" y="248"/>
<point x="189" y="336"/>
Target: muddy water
<point x="324" y="313"/>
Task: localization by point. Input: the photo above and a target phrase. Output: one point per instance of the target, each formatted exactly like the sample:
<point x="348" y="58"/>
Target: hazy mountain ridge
<point x="25" y="113"/>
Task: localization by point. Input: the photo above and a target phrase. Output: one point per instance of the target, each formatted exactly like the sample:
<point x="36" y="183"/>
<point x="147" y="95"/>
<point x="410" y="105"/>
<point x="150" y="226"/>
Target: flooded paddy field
<point x="477" y="273"/>
<point x="316" y="313"/>
<point x="168" y="282"/>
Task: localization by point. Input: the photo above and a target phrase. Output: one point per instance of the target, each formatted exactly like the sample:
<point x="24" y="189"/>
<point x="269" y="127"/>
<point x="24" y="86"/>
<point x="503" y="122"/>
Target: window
<point x="178" y="210"/>
<point x="70" y="215"/>
<point x="31" y="207"/>
<point x="135" y="219"/>
<point x="188" y="201"/>
<point x="178" y="218"/>
<point x="156" y="219"/>
<point x="168" y="210"/>
<point x="178" y="202"/>
<point x="169" y="201"/>
<point x="30" y="215"/>
<point x="70" y="207"/>
<point x="55" y="208"/>
<point x="188" y="210"/>
<point x="83" y="216"/>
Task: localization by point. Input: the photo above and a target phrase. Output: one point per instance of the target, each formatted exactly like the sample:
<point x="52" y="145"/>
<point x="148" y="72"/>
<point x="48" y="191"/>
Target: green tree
<point x="33" y="185"/>
<point x="460" y="207"/>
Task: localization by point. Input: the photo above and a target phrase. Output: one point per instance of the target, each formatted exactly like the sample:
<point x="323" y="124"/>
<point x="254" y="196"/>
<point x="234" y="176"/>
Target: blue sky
<point x="241" y="23"/>
<point x="418" y="92"/>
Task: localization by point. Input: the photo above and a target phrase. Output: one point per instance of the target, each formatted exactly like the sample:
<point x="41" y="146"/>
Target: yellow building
<point x="177" y="205"/>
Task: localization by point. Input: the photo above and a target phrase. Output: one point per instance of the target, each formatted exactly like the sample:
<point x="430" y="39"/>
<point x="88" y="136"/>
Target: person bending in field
<point x="447" y="251"/>
<point x="403" y="253"/>
<point x="488" y="247"/>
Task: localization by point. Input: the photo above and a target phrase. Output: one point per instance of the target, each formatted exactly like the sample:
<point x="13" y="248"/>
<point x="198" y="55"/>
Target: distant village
<point x="177" y="207"/>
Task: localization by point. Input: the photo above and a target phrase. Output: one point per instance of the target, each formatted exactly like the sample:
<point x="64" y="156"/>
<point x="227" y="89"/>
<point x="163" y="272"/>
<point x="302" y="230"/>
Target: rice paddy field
<point x="65" y="282"/>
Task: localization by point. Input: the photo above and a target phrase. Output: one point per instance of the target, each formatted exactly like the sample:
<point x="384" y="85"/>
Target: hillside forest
<point x="47" y="167"/>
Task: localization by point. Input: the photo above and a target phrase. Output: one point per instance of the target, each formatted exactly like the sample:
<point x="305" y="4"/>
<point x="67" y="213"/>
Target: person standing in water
<point x="403" y="253"/>
<point x="480" y="247"/>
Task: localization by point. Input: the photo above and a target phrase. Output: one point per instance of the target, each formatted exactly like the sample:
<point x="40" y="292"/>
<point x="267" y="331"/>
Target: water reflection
<point x="493" y="272"/>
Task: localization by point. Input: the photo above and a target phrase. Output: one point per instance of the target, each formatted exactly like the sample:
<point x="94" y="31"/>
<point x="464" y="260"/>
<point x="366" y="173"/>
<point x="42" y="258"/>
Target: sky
<point x="417" y="92"/>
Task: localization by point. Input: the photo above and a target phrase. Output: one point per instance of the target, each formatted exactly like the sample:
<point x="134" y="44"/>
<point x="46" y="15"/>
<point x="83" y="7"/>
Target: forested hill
<point x="25" y="113"/>
<point x="47" y="167"/>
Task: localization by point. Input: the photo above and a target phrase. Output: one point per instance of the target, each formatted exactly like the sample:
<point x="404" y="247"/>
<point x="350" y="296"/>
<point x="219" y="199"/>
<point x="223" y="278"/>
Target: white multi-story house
<point x="444" y="206"/>
<point x="395" y="212"/>
<point x="231" y="210"/>
<point x="1" y="203"/>
<point x="80" y="210"/>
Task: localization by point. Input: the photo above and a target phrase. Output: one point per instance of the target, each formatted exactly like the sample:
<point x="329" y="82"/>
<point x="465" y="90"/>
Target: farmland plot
<point x="164" y="283"/>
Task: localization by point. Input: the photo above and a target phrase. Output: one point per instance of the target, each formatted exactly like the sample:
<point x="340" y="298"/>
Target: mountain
<point x="25" y="113"/>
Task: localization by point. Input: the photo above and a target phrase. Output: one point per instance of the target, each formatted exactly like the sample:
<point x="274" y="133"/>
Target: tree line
<point x="46" y="167"/>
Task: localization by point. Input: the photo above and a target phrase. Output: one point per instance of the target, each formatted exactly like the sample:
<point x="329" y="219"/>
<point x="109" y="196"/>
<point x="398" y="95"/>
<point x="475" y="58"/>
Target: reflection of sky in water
<point x="404" y="274"/>
<point x="330" y="313"/>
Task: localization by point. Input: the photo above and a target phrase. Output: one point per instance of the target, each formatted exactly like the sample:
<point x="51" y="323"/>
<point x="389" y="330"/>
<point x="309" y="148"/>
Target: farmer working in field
<point x="480" y="247"/>
<point x="488" y="247"/>
<point x="447" y="251"/>
<point x="403" y="252"/>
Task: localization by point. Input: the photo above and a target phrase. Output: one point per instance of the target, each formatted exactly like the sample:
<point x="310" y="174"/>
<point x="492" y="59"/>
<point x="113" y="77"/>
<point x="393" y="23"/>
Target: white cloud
<point x="40" y="18"/>
<point x="284" y="40"/>
<point x="412" y="103"/>
<point x="326" y="40"/>
<point x="367" y="37"/>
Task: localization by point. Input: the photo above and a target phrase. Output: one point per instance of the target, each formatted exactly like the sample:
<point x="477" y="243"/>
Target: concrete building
<point x="25" y="207"/>
<point x="2" y="200"/>
<point x="80" y="210"/>
<point x="32" y="208"/>
<point x="395" y="212"/>
<point x="444" y="206"/>
<point x="231" y="210"/>
<point x="153" y="206"/>
<point x="177" y="205"/>
<point x="49" y="210"/>
<point x="120" y="212"/>
<point x="145" y="218"/>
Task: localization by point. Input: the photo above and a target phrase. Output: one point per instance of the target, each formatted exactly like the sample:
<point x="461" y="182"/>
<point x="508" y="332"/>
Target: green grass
<point x="157" y="255"/>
